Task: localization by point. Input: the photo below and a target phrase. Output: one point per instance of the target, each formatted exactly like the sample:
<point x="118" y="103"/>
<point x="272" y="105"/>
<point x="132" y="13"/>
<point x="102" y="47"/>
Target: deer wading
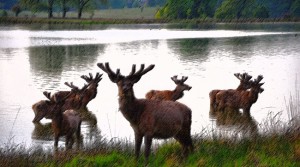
<point x="173" y="95"/>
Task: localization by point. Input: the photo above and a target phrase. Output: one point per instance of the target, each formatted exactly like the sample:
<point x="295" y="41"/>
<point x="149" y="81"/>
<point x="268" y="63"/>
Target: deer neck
<point x="129" y="105"/>
<point x="239" y="88"/>
<point x="57" y="121"/>
<point x="177" y="94"/>
<point x="253" y="95"/>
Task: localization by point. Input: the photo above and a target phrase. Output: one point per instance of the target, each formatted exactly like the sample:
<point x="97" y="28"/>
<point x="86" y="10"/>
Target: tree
<point x="295" y="8"/>
<point x="82" y="4"/>
<point x="33" y="5"/>
<point x="16" y="9"/>
<point x="50" y="8"/>
<point x="231" y="9"/>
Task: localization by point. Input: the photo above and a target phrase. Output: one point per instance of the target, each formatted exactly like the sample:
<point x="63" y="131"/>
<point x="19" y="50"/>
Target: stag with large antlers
<point x="172" y="95"/>
<point x="75" y="96"/>
<point x="245" y="83"/>
<point x="240" y="99"/>
<point x="150" y="119"/>
<point x="91" y="91"/>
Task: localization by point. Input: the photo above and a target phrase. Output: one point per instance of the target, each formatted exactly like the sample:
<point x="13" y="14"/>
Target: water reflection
<point x="48" y="63"/>
<point x="236" y="122"/>
<point x="192" y="49"/>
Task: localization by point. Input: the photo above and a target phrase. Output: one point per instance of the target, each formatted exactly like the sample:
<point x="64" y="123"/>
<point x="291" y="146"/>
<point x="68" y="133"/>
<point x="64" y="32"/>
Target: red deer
<point x="64" y="122"/>
<point x="73" y="101"/>
<point x="245" y="83"/>
<point x="240" y="99"/>
<point x="150" y="119"/>
<point x="172" y="95"/>
<point x="91" y="91"/>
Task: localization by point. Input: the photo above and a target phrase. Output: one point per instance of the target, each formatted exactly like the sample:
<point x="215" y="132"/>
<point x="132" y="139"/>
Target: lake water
<point x="38" y="58"/>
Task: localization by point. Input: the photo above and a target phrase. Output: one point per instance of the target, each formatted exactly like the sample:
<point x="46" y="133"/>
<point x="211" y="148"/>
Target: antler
<point x="136" y="76"/>
<point x="48" y="95"/>
<point x="86" y="78"/>
<point x="243" y="77"/>
<point x="91" y="79"/>
<point x="71" y="85"/>
<point x="177" y="81"/>
<point x="113" y="76"/>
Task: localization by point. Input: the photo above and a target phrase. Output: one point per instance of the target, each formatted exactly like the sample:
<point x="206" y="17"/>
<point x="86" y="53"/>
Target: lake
<point x="36" y="58"/>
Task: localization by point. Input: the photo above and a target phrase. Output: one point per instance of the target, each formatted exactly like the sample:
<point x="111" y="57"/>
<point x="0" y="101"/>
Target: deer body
<point x="240" y="99"/>
<point x="74" y="98"/>
<point x="245" y="83"/>
<point x="151" y="118"/>
<point x="172" y="95"/>
<point x="66" y="124"/>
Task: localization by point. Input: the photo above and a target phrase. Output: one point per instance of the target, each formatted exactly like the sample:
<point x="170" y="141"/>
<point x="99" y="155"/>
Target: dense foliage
<point x="229" y="9"/>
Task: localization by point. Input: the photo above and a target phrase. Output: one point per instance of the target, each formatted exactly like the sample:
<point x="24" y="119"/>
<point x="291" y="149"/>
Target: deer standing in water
<point x="150" y="119"/>
<point x="240" y="99"/>
<point x="245" y="83"/>
<point x="172" y="95"/>
<point x="64" y="122"/>
<point x="73" y="101"/>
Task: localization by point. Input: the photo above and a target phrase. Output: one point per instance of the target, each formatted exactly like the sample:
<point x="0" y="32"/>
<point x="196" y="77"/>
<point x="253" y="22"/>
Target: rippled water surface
<point x="33" y="60"/>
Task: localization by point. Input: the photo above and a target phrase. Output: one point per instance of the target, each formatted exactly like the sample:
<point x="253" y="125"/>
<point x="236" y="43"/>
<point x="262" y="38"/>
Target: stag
<point x="245" y="83"/>
<point x="150" y="119"/>
<point x="73" y="101"/>
<point x="172" y="95"/>
<point x="243" y="99"/>
<point x="64" y="122"/>
<point x="91" y="91"/>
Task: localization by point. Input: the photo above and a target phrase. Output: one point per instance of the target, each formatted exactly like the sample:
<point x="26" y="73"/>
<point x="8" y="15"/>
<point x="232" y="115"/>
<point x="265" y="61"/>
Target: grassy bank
<point x="274" y="150"/>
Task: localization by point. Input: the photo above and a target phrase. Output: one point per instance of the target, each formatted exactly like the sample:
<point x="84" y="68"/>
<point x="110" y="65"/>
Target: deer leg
<point x="78" y="137"/>
<point x="56" y="141"/>
<point x="148" y="142"/>
<point x="185" y="141"/>
<point x="138" y="143"/>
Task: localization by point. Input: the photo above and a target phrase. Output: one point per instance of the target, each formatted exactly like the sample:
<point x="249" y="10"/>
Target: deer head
<point x="245" y="81"/>
<point x="180" y="83"/>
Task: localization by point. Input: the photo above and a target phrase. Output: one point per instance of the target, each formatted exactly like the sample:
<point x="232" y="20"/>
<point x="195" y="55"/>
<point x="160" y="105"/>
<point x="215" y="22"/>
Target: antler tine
<point x="132" y="70"/>
<point x="140" y="71"/>
<point x="106" y="68"/>
<point x="144" y="71"/>
<point x="184" y="79"/>
<point x="85" y="78"/>
<point x="47" y="94"/>
<point x="238" y="76"/>
<point x="174" y="78"/>
<point x="71" y="85"/>
<point x="259" y="78"/>
<point x="91" y="76"/>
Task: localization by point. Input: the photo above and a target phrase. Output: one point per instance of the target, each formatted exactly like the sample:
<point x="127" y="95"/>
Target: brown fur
<point x="245" y="83"/>
<point x="151" y="118"/>
<point x="240" y="99"/>
<point x="65" y="123"/>
<point x="172" y="95"/>
<point x="74" y="101"/>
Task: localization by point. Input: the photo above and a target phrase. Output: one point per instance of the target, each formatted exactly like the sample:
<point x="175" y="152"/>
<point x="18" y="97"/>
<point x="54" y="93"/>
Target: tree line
<point x="79" y="5"/>
<point x="229" y="9"/>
